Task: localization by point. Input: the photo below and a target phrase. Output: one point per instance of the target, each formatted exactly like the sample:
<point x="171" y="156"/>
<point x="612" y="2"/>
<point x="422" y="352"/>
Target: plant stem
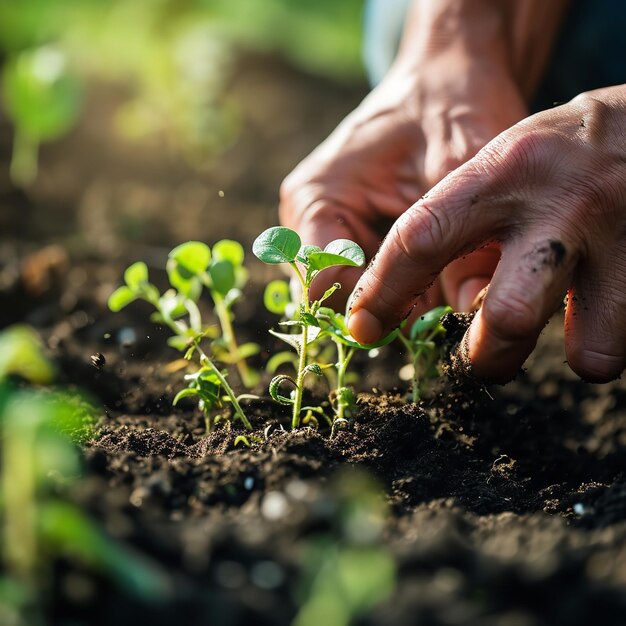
<point x="343" y="360"/>
<point x="229" y="392"/>
<point x="415" y="386"/>
<point x="302" y="361"/>
<point x="297" y="404"/>
<point x="24" y="160"/>
<point x="223" y="316"/>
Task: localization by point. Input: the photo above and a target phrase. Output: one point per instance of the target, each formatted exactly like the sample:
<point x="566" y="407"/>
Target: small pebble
<point x="248" y="483"/>
<point x="274" y="506"/>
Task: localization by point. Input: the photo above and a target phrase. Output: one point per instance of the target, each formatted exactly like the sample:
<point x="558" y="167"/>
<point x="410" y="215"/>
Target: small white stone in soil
<point x="274" y="506"/>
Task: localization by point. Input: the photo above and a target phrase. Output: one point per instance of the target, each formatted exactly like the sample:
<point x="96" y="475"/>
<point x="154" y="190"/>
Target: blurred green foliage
<point x="39" y="462"/>
<point x="174" y="56"/>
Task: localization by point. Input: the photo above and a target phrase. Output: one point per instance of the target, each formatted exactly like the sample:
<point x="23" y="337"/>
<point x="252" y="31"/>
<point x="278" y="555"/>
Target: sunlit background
<point x="133" y="120"/>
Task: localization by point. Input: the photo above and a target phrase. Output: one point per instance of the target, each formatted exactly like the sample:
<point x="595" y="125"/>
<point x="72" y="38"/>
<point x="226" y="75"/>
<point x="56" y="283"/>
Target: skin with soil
<point x="504" y="506"/>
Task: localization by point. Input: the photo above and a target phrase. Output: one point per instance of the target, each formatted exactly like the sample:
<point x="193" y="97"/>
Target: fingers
<point x="464" y="278"/>
<point x="595" y="321"/>
<point x="433" y="232"/>
<point x="527" y="288"/>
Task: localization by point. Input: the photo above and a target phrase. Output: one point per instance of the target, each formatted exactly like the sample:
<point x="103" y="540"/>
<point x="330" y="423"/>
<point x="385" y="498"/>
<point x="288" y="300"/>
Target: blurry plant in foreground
<point x="39" y="462"/>
<point x="349" y="572"/>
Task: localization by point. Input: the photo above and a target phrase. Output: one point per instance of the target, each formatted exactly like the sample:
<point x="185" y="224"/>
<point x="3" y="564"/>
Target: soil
<point x="499" y="506"/>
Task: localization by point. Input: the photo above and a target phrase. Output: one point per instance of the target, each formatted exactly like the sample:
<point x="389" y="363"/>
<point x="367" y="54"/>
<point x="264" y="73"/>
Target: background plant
<point x="191" y="268"/>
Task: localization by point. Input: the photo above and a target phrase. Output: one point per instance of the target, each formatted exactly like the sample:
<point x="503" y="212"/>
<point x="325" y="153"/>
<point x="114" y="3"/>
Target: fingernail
<point x="364" y="327"/>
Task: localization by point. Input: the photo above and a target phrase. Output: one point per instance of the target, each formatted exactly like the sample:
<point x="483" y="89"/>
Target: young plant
<point x="280" y="245"/>
<point x="190" y="268"/>
<point x="334" y="326"/>
<point x="38" y="431"/>
<point x="42" y="100"/>
<point x="423" y="349"/>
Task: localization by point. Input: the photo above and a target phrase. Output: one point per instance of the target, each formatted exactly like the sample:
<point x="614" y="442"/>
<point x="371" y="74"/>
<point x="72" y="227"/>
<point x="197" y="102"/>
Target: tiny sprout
<point x="423" y="349"/>
<point x="190" y="268"/>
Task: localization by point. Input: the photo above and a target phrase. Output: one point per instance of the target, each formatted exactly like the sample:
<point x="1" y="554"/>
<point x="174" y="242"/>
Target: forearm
<point x="514" y="35"/>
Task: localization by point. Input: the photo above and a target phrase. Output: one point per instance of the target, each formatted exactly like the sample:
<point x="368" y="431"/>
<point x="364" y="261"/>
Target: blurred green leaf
<point x="120" y="298"/>
<point x="229" y="250"/>
<point x="222" y="276"/>
<point x="192" y="258"/>
<point x="276" y="296"/>
<point x="21" y="353"/>
<point x="41" y="98"/>
<point x="136" y="275"/>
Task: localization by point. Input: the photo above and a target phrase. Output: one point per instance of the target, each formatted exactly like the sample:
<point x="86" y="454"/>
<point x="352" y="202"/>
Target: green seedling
<point x="423" y="349"/>
<point x="333" y="325"/>
<point x="42" y="100"/>
<point x="280" y="245"/>
<point x="38" y="429"/>
<point x="192" y="267"/>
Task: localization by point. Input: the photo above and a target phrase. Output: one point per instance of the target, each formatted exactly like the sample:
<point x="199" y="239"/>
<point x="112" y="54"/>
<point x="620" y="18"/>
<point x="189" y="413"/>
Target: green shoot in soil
<point x="423" y="349"/>
<point x="190" y="268"/>
<point x="280" y="245"/>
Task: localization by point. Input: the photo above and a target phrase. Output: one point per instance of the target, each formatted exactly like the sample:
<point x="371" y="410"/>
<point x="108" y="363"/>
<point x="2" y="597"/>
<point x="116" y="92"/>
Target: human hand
<point x="416" y="126"/>
<point x="551" y="193"/>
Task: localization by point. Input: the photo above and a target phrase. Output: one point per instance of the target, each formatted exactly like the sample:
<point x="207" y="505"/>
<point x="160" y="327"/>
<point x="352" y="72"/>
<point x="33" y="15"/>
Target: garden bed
<point x="502" y="506"/>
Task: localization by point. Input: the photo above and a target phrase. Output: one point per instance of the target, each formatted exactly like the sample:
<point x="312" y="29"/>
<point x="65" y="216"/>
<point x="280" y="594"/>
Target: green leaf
<point x="191" y="257"/>
<point x="338" y="252"/>
<point x="329" y="292"/>
<point x="179" y="343"/>
<point x="277" y="245"/>
<point x="136" y="275"/>
<point x="313" y="368"/>
<point x="66" y="531"/>
<point x="309" y="319"/>
<point x="241" y="439"/>
<point x="120" y="298"/>
<point x="334" y="324"/>
<point x="277" y="296"/>
<point x="229" y="250"/>
<point x="305" y="251"/>
<point x="281" y="358"/>
<point x="41" y="98"/>
<point x="21" y="352"/>
<point x="296" y="340"/>
<point x="429" y="321"/>
<point x="185" y="393"/>
<point x="222" y="276"/>
<point x="188" y="285"/>
<point x="274" y="389"/>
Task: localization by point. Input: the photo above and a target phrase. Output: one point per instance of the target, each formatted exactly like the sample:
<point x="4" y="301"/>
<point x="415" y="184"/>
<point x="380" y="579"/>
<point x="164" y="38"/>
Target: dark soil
<point x="503" y="506"/>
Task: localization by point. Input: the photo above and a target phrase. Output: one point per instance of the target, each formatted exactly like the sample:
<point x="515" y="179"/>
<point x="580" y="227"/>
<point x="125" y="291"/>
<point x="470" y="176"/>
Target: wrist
<point x="456" y="31"/>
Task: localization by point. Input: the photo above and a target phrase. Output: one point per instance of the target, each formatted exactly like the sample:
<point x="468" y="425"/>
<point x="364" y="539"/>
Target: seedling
<point x="334" y="325"/>
<point x="191" y="267"/>
<point x="423" y="349"/>
<point x="42" y="100"/>
<point x="280" y="245"/>
<point x="39" y="460"/>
